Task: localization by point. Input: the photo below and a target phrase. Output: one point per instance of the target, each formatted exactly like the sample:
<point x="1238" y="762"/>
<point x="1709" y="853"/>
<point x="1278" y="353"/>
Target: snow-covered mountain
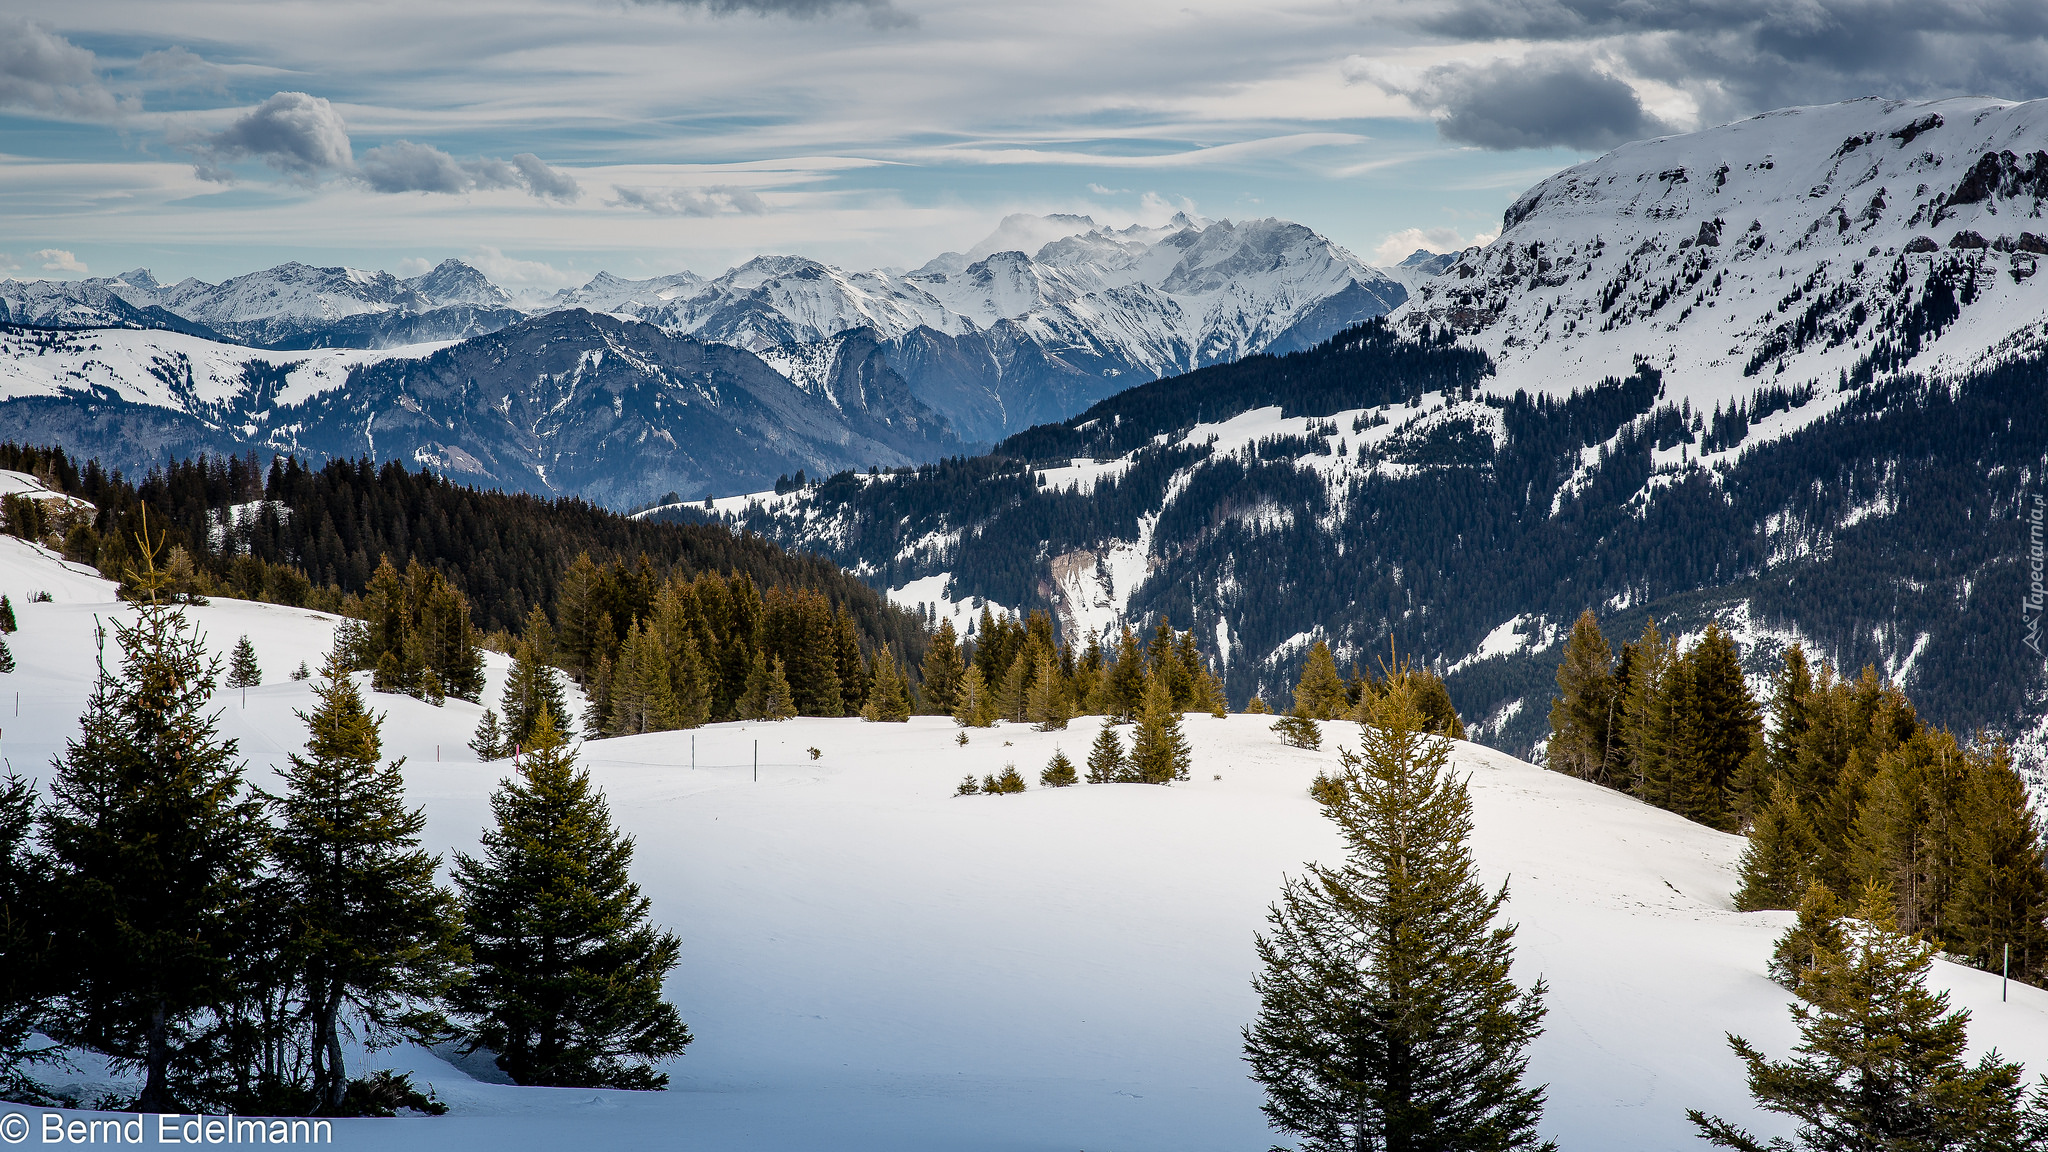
<point x="1804" y="245"/>
<point x="1045" y="316"/>
<point x="1783" y="374"/>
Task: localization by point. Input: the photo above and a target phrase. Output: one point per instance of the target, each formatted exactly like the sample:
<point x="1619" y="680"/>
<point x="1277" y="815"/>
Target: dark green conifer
<point x="7" y="623"/>
<point x="489" y="741"/>
<point x="566" y="973"/>
<point x="1299" y="731"/>
<point x="532" y="686"/>
<point x="375" y="935"/>
<point x="156" y="851"/>
<point x="1010" y="780"/>
<point x="1106" y="761"/>
<point x="1046" y="703"/>
<point x="27" y="920"/>
<point x="888" y="700"/>
<point x="1159" y="751"/>
<point x="243" y="671"/>
<point x="943" y="669"/>
<point x="1817" y="932"/>
<point x="2001" y="888"/>
<point x="6" y="658"/>
<point x="1320" y="693"/>
<point x="1777" y="863"/>
<point x="974" y="705"/>
<point x="1583" y="715"/>
<point x="1880" y="1059"/>
<point x="1058" y="772"/>
<point x="1387" y="1014"/>
<point x="1124" y="696"/>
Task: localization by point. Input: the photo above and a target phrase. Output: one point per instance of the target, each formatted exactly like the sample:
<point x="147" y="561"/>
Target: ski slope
<point x="872" y="963"/>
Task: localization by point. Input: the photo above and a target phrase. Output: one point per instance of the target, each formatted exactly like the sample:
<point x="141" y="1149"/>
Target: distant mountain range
<point x="715" y="385"/>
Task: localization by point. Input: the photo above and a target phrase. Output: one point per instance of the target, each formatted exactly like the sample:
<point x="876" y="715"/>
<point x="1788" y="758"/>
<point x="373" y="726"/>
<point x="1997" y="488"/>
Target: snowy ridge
<point x="168" y="369"/>
<point x="1782" y="249"/>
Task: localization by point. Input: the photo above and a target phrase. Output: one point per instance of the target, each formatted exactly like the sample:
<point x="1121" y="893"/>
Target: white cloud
<point x="58" y="260"/>
<point x="414" y="266"/>
<point x="43" y="72"/>
<point x="1158" y="209"/>
<point x="513" y="273"/>
<point x="1398" y="246"/>
<point x="714" y="200"/>
<point x="299" y="135"/>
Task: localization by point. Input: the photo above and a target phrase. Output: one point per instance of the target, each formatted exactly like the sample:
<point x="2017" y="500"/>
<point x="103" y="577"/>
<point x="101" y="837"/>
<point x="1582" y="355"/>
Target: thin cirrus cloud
<point x="713" y="200"/>
<point x="304" y="138"/>
<point x="879" y="13"/>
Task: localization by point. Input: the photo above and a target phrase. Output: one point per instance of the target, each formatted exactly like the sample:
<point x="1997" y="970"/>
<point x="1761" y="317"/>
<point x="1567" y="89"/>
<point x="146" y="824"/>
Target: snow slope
<point x="870" y="962"/>
<point x="170" y="369"/>
<point x="1776" y="250"/>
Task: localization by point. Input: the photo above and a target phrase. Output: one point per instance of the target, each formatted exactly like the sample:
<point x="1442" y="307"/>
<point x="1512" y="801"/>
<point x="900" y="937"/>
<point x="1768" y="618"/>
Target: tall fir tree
<point x="565" y="975"/>
<point x="1124" y="695"/>
<point x="888" y="699"/>
<point x="1583" y="716"/>
<point x="1387" y="1015"/>
<point x="1320" y="693"/>
<point x="2000" y="895"/>
<point x="156" y="849"/>
<point x="1107" y="763"/>
<point x="1058" y="772"/>
<point x="376" y="936"/>
<point x="243" y="671"/>
<point x="943" y="669"/>
<point x="489" y="741"/>
<point x="27" y="921"/>
<point x="974" y="705"/>
<point x="1159" y="750"/>
<point x="1047" y="705"/>
<point x="1880" y="1059"/>
<point x="533" y="685"/>
<point x="1777" y="862"/>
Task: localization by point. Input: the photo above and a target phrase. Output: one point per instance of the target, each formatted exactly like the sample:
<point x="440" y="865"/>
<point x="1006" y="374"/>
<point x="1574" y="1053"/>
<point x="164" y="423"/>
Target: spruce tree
<point x="1058" y="772"/>
<point x="1298" y="731"/>
<point x="1583" y="715"/>
<point x="26" y="924"/>
<point x="1013" y="692"/>
<point x="1388" y="1018"/>
<point x="1720" y="728"/>
<point x="302" y="672"/>
<point x="242" y="669"/>
<point x="6" y="657"/>
<point x="1816" y="933"/>
<point x="973" y="705"/>
<point x="943" y="669"/>
<point x="565" y="973"/>
<point x="767" y="696"/>
<point x="2001" y="887"/>
<point x="1124" y="696"/>
<point x="888" y="701"/>
<point x="1159" y="752"/>
<point x="1880" y="1059"/>
<point x="156" y="850"/>
<point x="376" y="936"/>
<point x="1777" y="862"/>
<point x="1009" y="781"/>
<point x="1047" y="705"/>
<point x="1258" y="707"/>
<point x="1320" y="693"/>
<point x="532" y="686"/>
<point x="1106" y="761"/>
<point x="7" y="623"/>
<point x="489" y="741"/>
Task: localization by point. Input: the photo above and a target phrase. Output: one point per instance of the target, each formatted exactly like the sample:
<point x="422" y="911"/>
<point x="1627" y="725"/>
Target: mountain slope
<point x="871" y="963"/>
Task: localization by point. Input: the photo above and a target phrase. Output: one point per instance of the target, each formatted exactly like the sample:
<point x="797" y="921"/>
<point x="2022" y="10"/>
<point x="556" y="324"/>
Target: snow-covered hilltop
<point x="1804" y="245"/>
<point x="870" y="962"/>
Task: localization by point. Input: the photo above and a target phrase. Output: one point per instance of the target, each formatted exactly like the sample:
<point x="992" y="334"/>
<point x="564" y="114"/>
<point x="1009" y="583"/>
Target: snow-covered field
<point x="870" y="962"/>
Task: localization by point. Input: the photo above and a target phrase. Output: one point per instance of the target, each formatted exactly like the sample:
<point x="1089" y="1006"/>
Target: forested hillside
<point x="1352" y="494"/>
<point x="284" y="532"/>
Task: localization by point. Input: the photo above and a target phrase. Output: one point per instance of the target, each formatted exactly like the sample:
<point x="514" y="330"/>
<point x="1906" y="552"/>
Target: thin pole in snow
<point x="757" y="761"/>
<point x="245" y="696"/>
<point x="693" y="751"/>
<point x="2005" y="976"/>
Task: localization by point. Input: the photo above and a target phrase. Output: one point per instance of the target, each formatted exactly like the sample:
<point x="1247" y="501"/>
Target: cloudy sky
<point x="547" y="139"/>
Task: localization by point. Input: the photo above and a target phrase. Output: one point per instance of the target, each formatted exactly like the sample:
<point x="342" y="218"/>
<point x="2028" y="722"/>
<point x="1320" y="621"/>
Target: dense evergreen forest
<point x="1839" y="784"/>
<point x="1884" y="528"/>
<point x="295" y="535"/>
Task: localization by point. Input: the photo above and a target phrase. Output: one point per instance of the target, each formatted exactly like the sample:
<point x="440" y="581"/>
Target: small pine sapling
<point x="302" y="672"/>
<point x="7" y="615"/>
<point x="1258" y="707"/>
<point x="6" y="658"/>
<point x="489" y="741"/>
<point x="1299" y="731"/>
<point x="961" y="739"/>
<point x="1059" y="772"/>
<point x="814" y="753"/>
<point x="1106" y="761"/>
<point x="1010" y="781"/>
<point x="242" y="669"/>
<point x="968" y="786"/>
